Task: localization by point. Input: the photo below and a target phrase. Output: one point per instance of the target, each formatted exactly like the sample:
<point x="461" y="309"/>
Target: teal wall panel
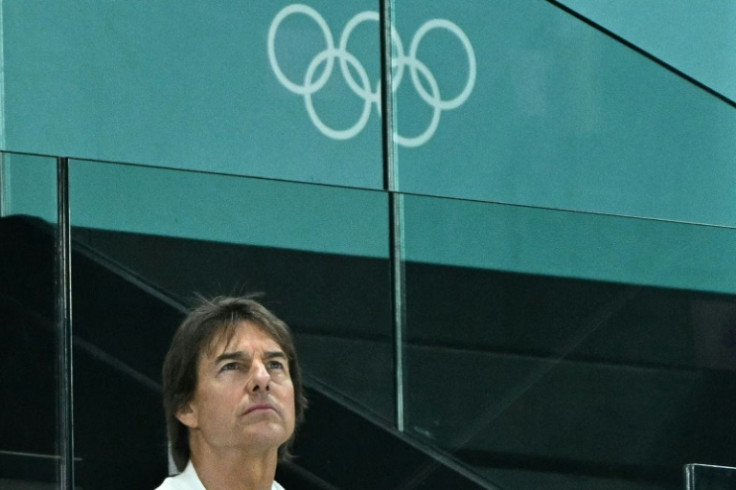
<point x="562" y="116"/>
<point x="28" y="186"/>
<point x="181" y="84"/>
<point x="229" y="209"/>
<point x="184" y="204"/>
<point x="569" y="244"/>
<point x="547" y="111"/>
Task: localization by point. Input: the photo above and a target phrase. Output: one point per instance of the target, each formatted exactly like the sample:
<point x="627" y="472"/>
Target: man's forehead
<point x="231" y="337"/>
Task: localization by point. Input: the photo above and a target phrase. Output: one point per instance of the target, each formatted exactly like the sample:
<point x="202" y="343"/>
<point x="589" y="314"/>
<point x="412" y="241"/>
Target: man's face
<point x="244" y="397"/>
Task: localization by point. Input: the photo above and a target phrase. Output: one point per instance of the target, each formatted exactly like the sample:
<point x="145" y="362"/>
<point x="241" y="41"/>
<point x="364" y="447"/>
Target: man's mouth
<point x="259" y="407"/>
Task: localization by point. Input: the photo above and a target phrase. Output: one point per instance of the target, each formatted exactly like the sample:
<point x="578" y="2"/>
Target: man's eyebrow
<point x="229" y="356"/>
<point x="272" y="354"/>
<point x="244" y="356"/>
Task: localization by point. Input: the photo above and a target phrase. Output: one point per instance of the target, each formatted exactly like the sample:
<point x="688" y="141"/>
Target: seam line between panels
<point x="390" y="184"/>
<point x="64" y="328"/>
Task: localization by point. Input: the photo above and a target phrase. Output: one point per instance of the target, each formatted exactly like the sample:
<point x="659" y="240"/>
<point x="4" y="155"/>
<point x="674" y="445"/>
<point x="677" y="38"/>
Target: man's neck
<point x="235" y="471"/>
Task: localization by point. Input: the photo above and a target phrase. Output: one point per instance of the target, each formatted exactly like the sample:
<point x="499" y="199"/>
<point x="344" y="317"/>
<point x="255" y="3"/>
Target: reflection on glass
<point x="29" y="427"/>
<point x="551" y="349"/>
<point x="147" y="240"/>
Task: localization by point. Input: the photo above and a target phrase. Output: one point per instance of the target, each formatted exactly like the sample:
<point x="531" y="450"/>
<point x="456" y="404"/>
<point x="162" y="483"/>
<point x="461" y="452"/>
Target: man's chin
<point x="267" y="434"/>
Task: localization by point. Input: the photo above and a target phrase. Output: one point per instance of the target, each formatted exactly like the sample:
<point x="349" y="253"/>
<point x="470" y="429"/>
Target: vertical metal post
<point x="390" y="184"/>
<point x="63" y="282"/>
<point x="398" y="303"/>
<point x="387" y="105"/>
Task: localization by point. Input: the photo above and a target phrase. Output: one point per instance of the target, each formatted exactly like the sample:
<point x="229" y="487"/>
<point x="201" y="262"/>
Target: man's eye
<point x="230" y="366"/>
<point x="275" y="365"/>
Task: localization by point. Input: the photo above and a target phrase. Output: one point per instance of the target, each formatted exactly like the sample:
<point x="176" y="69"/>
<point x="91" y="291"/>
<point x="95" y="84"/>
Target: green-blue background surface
<point x="561" y="117"/>
<point x="182" y="84"/>
<point x="575" y="156"/>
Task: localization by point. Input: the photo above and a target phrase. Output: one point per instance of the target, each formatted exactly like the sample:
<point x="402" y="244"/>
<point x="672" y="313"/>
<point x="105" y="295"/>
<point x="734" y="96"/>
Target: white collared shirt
<point x="189" y="480"/>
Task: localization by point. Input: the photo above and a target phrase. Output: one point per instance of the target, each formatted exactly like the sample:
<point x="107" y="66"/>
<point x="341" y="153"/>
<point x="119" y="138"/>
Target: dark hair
<point x="214" y="319"/>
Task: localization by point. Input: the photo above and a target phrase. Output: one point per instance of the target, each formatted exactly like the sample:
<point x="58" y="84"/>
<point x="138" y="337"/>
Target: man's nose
<point x="260" y="379"/>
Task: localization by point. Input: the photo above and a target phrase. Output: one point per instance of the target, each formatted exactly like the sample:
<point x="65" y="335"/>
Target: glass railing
<point x="34" y="442"/>
<point x="318" y="253"/>
<point x="557" y="349"/>
<point x="540" y="347"/>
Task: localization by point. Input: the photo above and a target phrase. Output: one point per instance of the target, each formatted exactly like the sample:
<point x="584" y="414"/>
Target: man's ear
<point x="187" y="415"/>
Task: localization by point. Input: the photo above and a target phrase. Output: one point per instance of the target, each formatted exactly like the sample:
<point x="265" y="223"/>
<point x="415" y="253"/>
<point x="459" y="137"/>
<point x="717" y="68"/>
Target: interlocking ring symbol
<point x="400" y="62"/>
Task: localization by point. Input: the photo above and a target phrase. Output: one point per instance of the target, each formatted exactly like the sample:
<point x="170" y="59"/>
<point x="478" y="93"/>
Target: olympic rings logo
<point x="362" y="87"/>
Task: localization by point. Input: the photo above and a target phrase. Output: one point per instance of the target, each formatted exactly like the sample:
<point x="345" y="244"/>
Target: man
<point x="232" y="397"/>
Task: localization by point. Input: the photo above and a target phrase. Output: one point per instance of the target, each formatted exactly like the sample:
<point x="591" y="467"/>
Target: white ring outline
<point x="275" y="23"/>
<point x="344" y="39"/>
<point x="362" y="120"/>
<point x="418" y="36"/>
<point x="413" y="142"/>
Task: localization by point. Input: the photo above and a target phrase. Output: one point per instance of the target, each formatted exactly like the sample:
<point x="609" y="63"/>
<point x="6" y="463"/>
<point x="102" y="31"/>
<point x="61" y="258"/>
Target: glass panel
<point x="527" y="104"/>
<point x="29" y="367"/>
<point x="218" y="87"/>
<point x="149" y="239"/>
<point x="707" y="477"/>
<point x="553" y="349"/>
